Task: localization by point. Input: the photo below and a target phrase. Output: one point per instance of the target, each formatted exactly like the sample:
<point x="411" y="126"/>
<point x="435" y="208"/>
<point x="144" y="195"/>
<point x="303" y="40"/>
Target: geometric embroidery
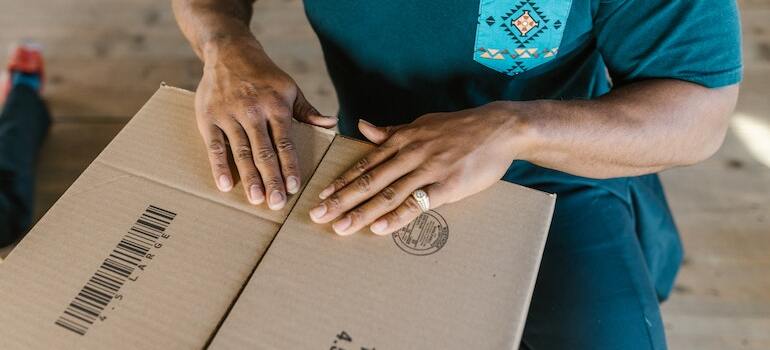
<point x="502" y="54"/>
<point x="524" y="23"/>
<point x="528" y="16"/>
<point x="551" y="52"/>
<point x="494" y="54"/>
<point x="515" y="36"/>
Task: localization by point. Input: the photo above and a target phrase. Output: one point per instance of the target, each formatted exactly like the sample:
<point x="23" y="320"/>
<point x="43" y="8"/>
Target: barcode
<point x="115" y="270"/>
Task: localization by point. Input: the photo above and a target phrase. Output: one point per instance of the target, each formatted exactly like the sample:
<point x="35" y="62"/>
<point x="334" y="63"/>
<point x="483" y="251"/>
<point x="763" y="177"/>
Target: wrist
<point x="231" y="45"/>
<point x="520" y="123"/>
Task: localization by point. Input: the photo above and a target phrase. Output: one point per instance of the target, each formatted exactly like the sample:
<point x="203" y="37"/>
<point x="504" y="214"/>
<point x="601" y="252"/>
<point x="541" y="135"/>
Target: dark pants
<point x="24" y="121"/>
<point x="610" y="258"/>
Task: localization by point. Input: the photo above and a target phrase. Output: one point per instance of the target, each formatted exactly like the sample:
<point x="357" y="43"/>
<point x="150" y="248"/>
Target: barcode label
<point x="128" y="256"/>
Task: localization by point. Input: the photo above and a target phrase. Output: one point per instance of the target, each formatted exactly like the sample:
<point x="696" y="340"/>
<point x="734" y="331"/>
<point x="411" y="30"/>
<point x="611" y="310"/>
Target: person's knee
<point x="593" y="289"/>
<point x="626" y="330"/>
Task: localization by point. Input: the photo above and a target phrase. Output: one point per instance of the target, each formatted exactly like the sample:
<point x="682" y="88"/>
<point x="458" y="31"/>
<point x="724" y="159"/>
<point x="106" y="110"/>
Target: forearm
<point x="210" y="24"/>
<point x="642" y="128"/>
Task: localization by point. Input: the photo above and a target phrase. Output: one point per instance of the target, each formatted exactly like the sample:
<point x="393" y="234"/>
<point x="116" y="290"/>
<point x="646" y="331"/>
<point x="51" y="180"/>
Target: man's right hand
<point x="246" y="99"/>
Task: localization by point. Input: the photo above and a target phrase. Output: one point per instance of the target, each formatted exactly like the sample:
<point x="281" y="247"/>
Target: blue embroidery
<point x="515" y="36"/>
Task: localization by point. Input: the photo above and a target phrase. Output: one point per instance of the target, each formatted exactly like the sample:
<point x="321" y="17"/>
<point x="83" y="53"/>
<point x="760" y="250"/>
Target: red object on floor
<point x="25" y="59"/>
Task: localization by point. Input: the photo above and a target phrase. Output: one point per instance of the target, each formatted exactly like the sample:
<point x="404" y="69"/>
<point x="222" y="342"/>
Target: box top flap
<point x="458" y="277"/>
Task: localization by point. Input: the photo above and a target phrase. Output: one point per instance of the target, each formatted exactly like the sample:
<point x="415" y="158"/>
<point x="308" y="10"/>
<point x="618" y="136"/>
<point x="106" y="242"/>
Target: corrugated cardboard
<point x="145" y="218"/>
<point x="471" y="293"/>
<point x="189" y="279"/>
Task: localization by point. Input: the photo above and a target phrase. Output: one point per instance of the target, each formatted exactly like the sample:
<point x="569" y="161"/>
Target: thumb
<point x="306" y="113"/>
<point x="374" y="133"/>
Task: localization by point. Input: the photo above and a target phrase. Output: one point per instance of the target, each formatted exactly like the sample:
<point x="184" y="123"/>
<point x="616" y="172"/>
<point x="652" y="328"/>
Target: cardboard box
<point x="144" y="252"/>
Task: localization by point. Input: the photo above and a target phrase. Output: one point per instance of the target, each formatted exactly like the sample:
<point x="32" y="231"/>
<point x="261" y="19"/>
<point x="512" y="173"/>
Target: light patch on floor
<point x="754" y="133"/>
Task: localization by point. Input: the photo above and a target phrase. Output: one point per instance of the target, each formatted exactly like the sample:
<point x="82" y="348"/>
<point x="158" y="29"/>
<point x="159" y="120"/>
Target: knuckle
<point x="217" y="148"/>
<point x="393" y="217"/>
<point x="411" y="147"/>
<point x="232" y="119"/>
<point x="364" y="182"/>
<point x="387" y="194"/>
<point x="290" y="168"/>
<point x="277" y="104"/>
<point x="411" y="206"/>
<point x="265" y="154"/>
<point x="253" y="112"/>
<point x="248" y="90"/>
<point x="362" y="164"/>
<point x="273" y="182"/>
<point x="243" y="152"/>
<point x="334" y="201"/>
<point x="284" y="144"/>
<point x="339" y="183"/>
<point x="356" y="216"/>
<point x="252" y="178"/>
<point x="210" y="111"/>
<point x="432" y="167"/>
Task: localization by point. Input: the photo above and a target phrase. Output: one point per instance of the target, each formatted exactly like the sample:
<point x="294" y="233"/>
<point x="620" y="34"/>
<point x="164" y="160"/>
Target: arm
<point x="244" y="97"/>
<point x="208" y="23"/>
<point x="641" y="128"/>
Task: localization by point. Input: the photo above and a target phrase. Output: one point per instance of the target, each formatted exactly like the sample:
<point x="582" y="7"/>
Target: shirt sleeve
<point x="693" y="40"/>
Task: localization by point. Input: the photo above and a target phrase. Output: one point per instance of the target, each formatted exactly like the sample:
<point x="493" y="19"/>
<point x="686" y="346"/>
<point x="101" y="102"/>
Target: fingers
<point x="242" y="154"/>
<point x="366" y="186"/>
<point x="387" y="200"/>
<point x="374" y="133"/>
<point x="217" y="154"/>
<point x="287" y="154"/>
<point x="370" y="161"/>
<point x="305" y="112"/>
<point x="267" y="163"/>
<point x="408" y="210"/>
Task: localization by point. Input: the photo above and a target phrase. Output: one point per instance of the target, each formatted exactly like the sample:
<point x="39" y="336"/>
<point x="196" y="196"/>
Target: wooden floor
<point x="106" y="58"/>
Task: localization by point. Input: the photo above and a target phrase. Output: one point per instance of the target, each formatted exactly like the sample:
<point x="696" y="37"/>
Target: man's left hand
<point x="450" y="156"/>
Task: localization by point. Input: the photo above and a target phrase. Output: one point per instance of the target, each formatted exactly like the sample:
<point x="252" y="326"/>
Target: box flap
<point x="459" y="277"/>
<point x="142" y="251"/>
<point x="162" y="143"/>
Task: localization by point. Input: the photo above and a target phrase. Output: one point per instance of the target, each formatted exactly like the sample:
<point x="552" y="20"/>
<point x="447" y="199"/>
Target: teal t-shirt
<point x="392" y="61"/>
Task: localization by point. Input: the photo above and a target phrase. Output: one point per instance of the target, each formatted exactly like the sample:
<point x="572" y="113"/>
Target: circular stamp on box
<point x="425" y="235"/>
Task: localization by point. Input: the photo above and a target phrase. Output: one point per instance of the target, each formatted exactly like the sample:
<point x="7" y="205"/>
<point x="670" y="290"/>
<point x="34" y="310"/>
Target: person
<point x="24" y="122"/>
<point x="586" y="99"/>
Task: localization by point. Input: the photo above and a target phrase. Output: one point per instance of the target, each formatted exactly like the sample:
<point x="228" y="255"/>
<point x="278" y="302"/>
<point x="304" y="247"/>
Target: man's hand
<point x="448" y="155"/>
<point x="248" y="99"/>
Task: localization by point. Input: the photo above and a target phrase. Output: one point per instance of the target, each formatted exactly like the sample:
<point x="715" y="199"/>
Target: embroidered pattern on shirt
<point x="515" y="36"/>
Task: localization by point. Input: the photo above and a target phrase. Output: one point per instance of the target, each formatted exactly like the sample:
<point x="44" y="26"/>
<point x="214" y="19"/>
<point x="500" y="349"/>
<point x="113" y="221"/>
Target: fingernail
<point x="276" y="200"/>
<point x="318" y="211"/>
<point x="224" y="183"/>
<point x="379" y="226"/>
<point x="342" y="225"/>
<point x="366" y="122"/>
<point x="292" y="184"/>
<point x="255" y="194"/>
<point x="326" y="192"/>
